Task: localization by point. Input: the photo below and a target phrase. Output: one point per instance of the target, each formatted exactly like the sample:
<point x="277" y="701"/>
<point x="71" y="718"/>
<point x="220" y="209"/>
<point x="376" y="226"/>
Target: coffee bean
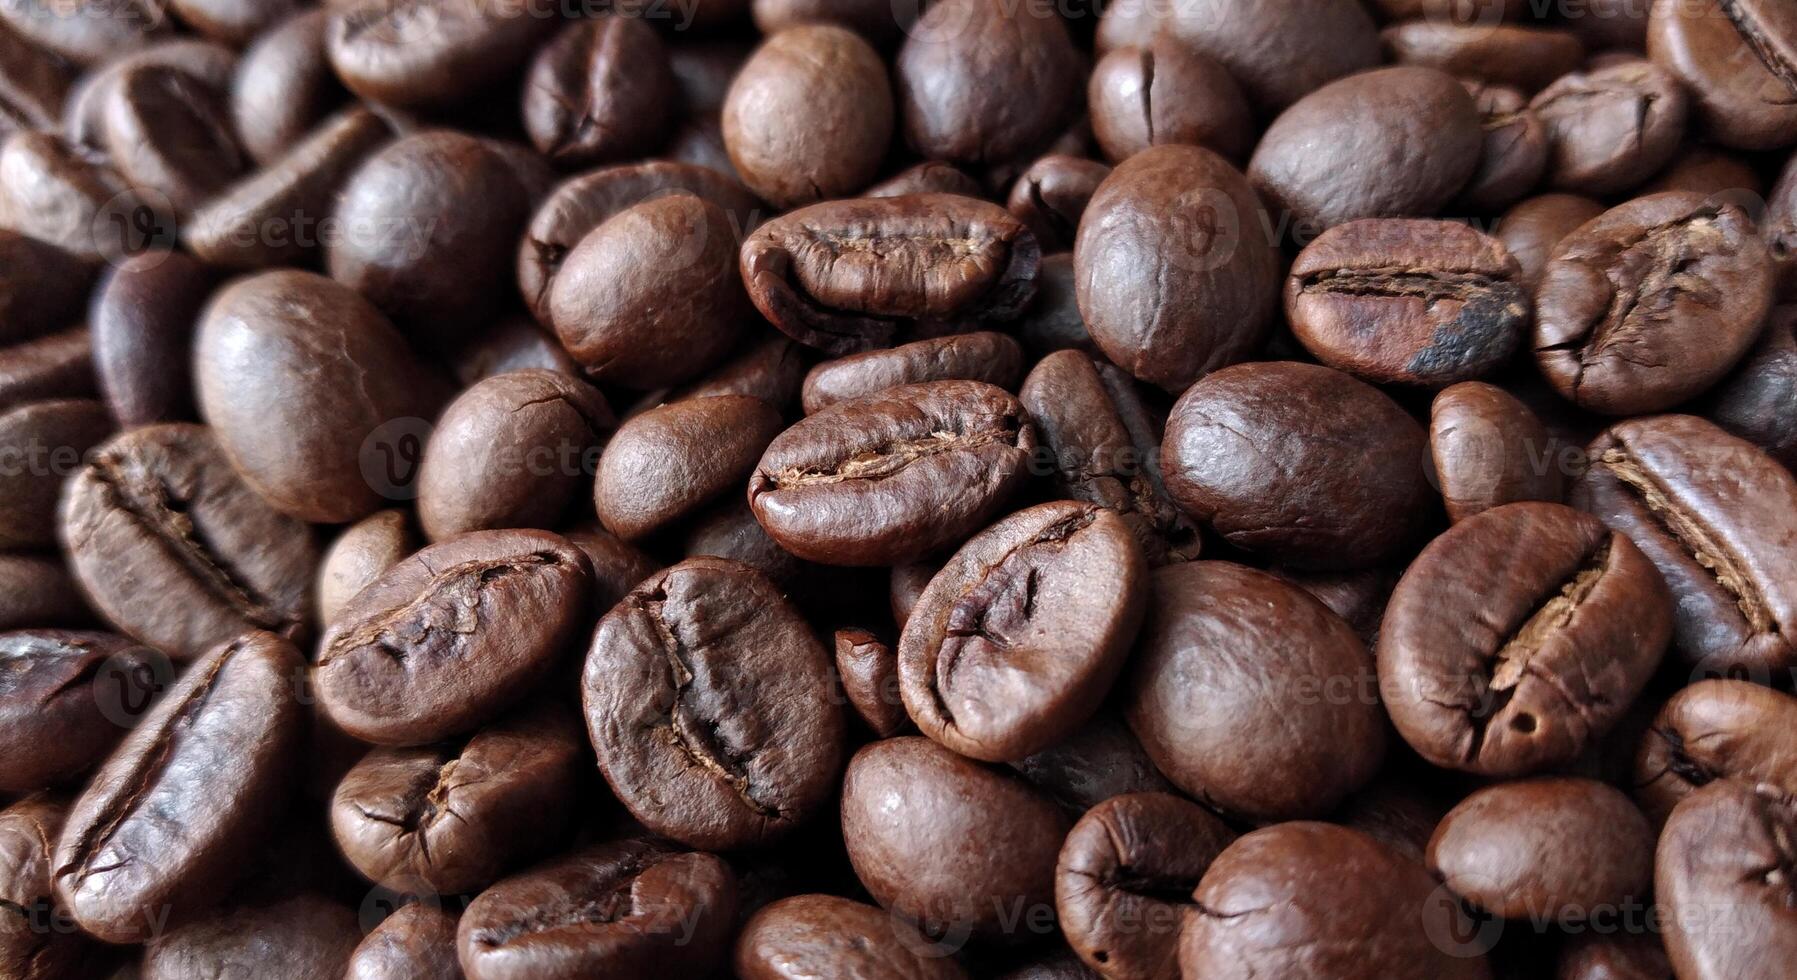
<point x="1395" y="812"/>
<point x="1052" y="321"/>
<point x="989" y="357"/>
<point x="232" y="21"/>
<point x="893" y="476"/>
<point x="929" y="177"/>
<point x="1167" y="92"/>
<point x="666" y="463"/>
<point x="851" y="275"/>
<point x="85" y="32"/>
<point x="41" y="287"/>
<point x="1052" y="194"/>
<point x="617" y="567"/>
<point x="1618" y="956"/>
<point x="1720" y="874"/>
<point x="143" y="320"/>
<point x="360" y="554"/>
<point x="770" y="367"/>
<point x="1489" y="450"/>
<point x="1533" y="229"/>
<point x="304" y="935"/>
<point x="163" y="828"/>
<point x="1525" y="57"/>
<point x="53" y="368"/>
<point x="45" y="442"/>
<point x="868" y="669"/>
<point x="728" y="529"/>
<point x="823" y="935"/>
<point x="515" y="343"/>
<point x="31" y="946"/>
<point x="284" y="86"/>
<point x="1519" y="637"/>
<point x="36" y="591"/>
<point x="1099" y="760"/>
<point x="452" y="636"/>
<point x="1739" y="59"/>
<point x="52" y="193"/>
<point x="415" y="943"/>
<point x="210" y="64"/>
<point x="65" y="700"/>
<point x="1713" y="730"/>
<point x="174" y="549"/>
<point x="430" y="54"/>
<point x="905" y="587"/>
<point x="166" y="131"/>
<point x="718" y="736"/>
<point x="1515" y="154"/>
<point x="1612" y="128"/>
<point x="33" y="85"/>
<point x="599" y="91"/>
<point x="704" y="67"/>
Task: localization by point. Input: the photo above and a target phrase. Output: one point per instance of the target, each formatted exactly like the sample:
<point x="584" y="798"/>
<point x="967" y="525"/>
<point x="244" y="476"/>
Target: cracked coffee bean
<point x="1739" y="59"/>
<point x="599" y="91"/>
<point x="1052" y="195"/>
<point x="29" y="947"/>
<point x="1515" y="154"/>
<point x="1167" y="92"/>
<point x="1715" y="730"/>
<point x="66" y="698"/>
<point x="1611" y="128"/>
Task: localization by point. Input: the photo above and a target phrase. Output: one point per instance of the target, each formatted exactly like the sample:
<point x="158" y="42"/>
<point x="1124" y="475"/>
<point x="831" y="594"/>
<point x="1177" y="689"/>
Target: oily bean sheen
<point x="1518" y="638"/>
<point x="1556" y="849"/>
<point x="894" y="476"/>
<point x="1398" y="301"/>
<point x="1723" y="872"/>
<point x="452" y="636"/>
<point x="415" y="943"/>
<point x="429" y="53"/>
<point x="1533" y="229"/>
<point x="1651" y="303"/>
<point x="665" y="464"/>
<point x="1488" y="450"/>
<point x="826" y="936"/>
<point x="909" y="807"/>
<point x="165" y="825"/>
<point x="143" y="320"/>
<point x="1251" y="695"/>
<point x="1316" y="900"/>
<point x="985" y="356"/>
<point x="174" y="549"/>
<point x="66" y="698"/>
<point x="166" y="131"/>
<point x="626" y="908"/>
<point x="283" y="85"/>
<point x="599" y="91"/>
<point x="1712" y="512"/>
<point x="1125" y="877"/>
<point x="1739" y="59"/>
<point x="1175" y="276"/>
<point x="1504" y="54"/>
<point x="1018" y="637"/>
<point x="1297" y="462"/>
<point x="709" y="702"/>
<point x="852" y="275"/>
<point x="32" y="947"/>
<point x="1713" y="730"/>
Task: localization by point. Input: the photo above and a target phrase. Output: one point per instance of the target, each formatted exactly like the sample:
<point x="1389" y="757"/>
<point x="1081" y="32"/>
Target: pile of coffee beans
<point x="898" y="489"/>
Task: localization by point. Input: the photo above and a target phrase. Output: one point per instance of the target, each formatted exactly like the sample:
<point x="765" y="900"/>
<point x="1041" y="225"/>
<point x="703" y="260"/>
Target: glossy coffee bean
<point x="1714" y="730"/>
<point x="166" y="131"/>
<point x="708" y="700"/>
<point x="232" y="21"/>
<point x="31" y="945"/>
<point x="1167" y="92"/>
<point x="665" y="910"/>
<point x="431" y="54"/>
<point x="415" y="943"/>
<point x="1397" y="301"/>
<point x="670" y="461"/>
<point x="1519" y="637"/>
<point x="599" y="91"/>
<point x="84" y="115"/>
<point x="452" y="636"/>
<point x="1756" y="401"/>
<point x="1739" y="59"/>
<point x="163" y="828"/>
<point x="1504" y="54"/>
<point x="1301" y="463"/>
<point x="1220" y="636"/>
<point x="1703" y="506"/>
<point x="908" y="807"/>
<point x="728" y="529"/>
<point x="993" y="358"/>
<point x="617" y="566"/>
<point x="514" y="343"/>
<point x="143" y="320"/>
<point x="35" y="83"/>
<point x="929" y="177"/>
<point x="852" y="275"/>
<point x="283" y="86"/>
<point x="1720" y="873"/>
<point x="1515" y="153"/>
<point x="360" y="554"/>
<point x="1533" y="229"/>
<point x="868" y="669"/>
<point x="1651" y="303"/>
<point x="1100" y="760"/>
<point x="1052" y="194"/>
<point x="1489" y="449"/>
<point x="45" y="443"/>
<point x="1612" y="128"/>
<point x="823" y="935"/>
<point x="305" y="936"/>
<point x="173" y="548"/>
<point x="1175" y="275"/>
<point x="66" y="698"/>
<point x="1125" y="877"/>
<point x="893" y="476"/>
<point x="52" y="193"/>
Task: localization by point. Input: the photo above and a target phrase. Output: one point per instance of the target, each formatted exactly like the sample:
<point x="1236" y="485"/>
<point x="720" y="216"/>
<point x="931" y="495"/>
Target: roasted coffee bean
<point x="37" y="941"/>
<point x="599" y="91"/>
<point x="359" y="555"/>
<point x="166" y="131"/>
<point x="84" y="115"/>
<point x="1702" y="505"/>
<point x="1515" y="155"/>
<point x="430" y="54"/>
<point x="1052" y="194"/>
<point x="728" y="529"/>
<point x="1488" y="450"/>
<point x="1393" y="143"/>
<point x="57" y="367"/>
<point x="165" y="825"/>
<point x="305" y="936"/>
<point x="85" y="32"/>
<point x="452" y="819"/>
<point x="1167" y="92"/>
<point x="624" y="908"/>
<point x="1219" y="637"/>
<point x="617" y="567"/>
<point x="511" y="451"/>
<point x="906" y="586"/>
<point x="41" y="287"/>
<point x="1557" y="849"/>
<point x="1651" y="303"/>
<point x="415" y="943"/>
<point x="668" y="462"/>
<point x="1519" y="637"/>
<point x="993" y="358"/>
<point x="1100" y="760"/>
<point x="1721" y="874"/>
<point x="827" y="936"/>
<point x="1533" y="230"/>
<point x="1301" y="463"/>
<point x="1175" y="276"/>
<point x="1712" y="730"/>
<point x="36" y="591"/>
<point x="1708" y="170"/>
<point x="66" y="698"/>
<point x="1052" y="321"/>
<point x="851" y="275"/>
<point x="174" y="549"/>
<point x="232" y="21"/>
<point x="1106" y="449"/>
<point x="143" y="320"/>
<point x="452" y="636"/>
<point x="704" y="67"/>
<point x="708" y="700"/>
<point x="909" y="807"/>
<point x="52" y="193"/>
<point x="1739" y="59"/>
<point x="868" y="669"/>
<point x="1316" y="900"/>
<point x="1615" y="956"/>
<point x="1125" y="877"/>
<point x="515" y="343"/>
<point x="1612" y="128"/>
<point x="929" y="177"/>
<point x="893" y="476"/>
<point x="43" y="444"/>
<point x="33" y="85"/>
<point x="1395" y="812"/>
<point x="1503" y="54"/>
<point x="1398" y="301"/>
<point x="283" y="86"/>
<point x="652" y="297"/>
<point x="809" y="116"/>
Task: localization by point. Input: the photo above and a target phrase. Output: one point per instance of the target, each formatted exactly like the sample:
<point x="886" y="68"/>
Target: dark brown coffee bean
<point x="626" y="908"/>
<point x="868" y="668"/>
<point x="33" y="85"/>
<point x="1716" y="729"/>
<point x="770" y="367"/>
<point x="174" y="549"/>
<point x="425" y="54"/>
<point x="1218" y="638"/>
<point x="599" y="91"/>
<point x="305" y="936"/>
<point x="165" y="825"/>
<point x="54" y="194"/>
<point x="1125" y="877"/>
<point x="1052" y="194"/>
<point x="909" y="806"/>
<point x="36" y="591"/>
<point x="1167" y="92"/>
<point x="906" y="585"/>
<point x="514" y="343"/>
<point x="704" y="67"/>
<point x="989" y="357"/>
<point x="452" y="819"/>
<point x="823" y="935"/>
<point x="84" y="115"/>
<point x="511" y="451"/>
<point x="1504" y="54"/>
<point x="284" y="86"/>
<point x="848" y="276"/>
<point x="728" y="529"/>
<point x="65" y="700"/>
<point x="1010" y="649"/>
<point x="143" y="319"/>
<point x="1100" y="760"/>
<point x="415" y="943"/>
<point x="1516" y="150"/>
<point x="452" y="636"/>
<point x="1652" y="303"/>
<point x="86" y="32"/>
<point x="809" y="116"/>
<point x="1052" y="321"/>
<point x="1739" y="59"/>
<point x="1722" y="875"/>
<point x="666" y="463"/>
<point x="1519" y="637"/>
<point x="1488" y="450"/>
<point x="1533" y="229"/>
<point x="1615" y="956"/>
<point x="166" y="131"/>
<point x="1399" y="301"/>
<point x="1703" y="506"/>
<point x="617" y="567"/>
<point x="1396" y="812"/>
<point x="37" y="941"/>
<point x="42" y="444"/>
<point x="894" y="476"/>
<point x="929" y="177"/>
<point x="1301" y="463"/>
<point x="1709" y="170"/>
<point x="1612" y="128"/>
<point x="41" y="287"/>
<point x="708" y="701"/>
<point x="359" y="555"/>
<point x="57" y="367"/>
